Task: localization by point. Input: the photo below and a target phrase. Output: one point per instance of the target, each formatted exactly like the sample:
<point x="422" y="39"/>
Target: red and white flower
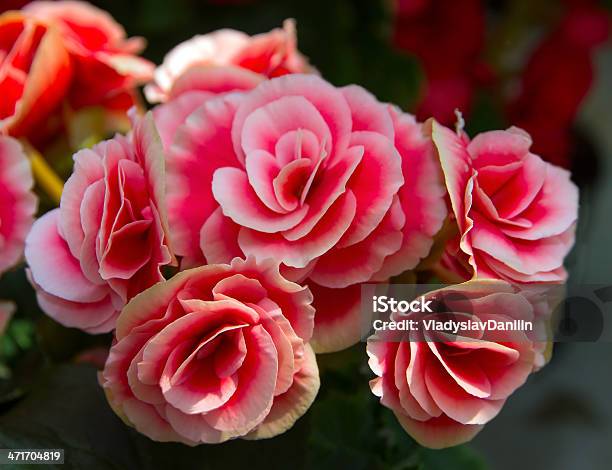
<point x="109" y="237"/>
<point x="515" y="213"/>
<point x="216" y="352"/>
<point x="227" y="60"/>
<point x="444" y="388"/>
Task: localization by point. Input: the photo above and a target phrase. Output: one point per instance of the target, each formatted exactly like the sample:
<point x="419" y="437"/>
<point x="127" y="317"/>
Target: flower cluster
<point x="226" y="238"/>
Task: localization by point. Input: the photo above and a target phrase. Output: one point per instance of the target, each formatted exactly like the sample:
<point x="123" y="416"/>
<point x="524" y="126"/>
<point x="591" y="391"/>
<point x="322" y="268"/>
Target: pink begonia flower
<point x="227" y="60"/>
<point x="444" y="388"/>
<point x="106" y="67"/>
<point x="337" y="187"/>
<point x="216" y="352"/>
<point x="17" y="201"/>
<point x="109" y="237"/>
<point x="515" y="213"/>
<point x="7" y="309"/>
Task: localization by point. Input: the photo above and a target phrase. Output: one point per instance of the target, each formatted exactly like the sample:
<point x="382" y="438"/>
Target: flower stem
<point x="45" y="176"/>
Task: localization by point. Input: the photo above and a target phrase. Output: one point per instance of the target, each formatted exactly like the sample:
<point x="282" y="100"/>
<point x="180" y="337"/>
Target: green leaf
<point x="487" y="115"/>
<point x="67" y="410"/>
<point x="342" y="433"/>
<point x="457" y="458"/>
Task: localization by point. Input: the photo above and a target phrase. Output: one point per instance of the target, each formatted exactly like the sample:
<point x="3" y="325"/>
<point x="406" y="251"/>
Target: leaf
<point x="345" y="428"/>
<point x="67" y="410"/>
<point x="342" y="433"/>
<point x="457" y="458"/>
<point x="487" y="114"/>
<point x="279" y="453"/>
<point x="349" y="428"/>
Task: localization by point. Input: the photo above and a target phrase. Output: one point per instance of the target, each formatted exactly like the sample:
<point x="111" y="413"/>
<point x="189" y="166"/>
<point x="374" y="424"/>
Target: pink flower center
<point x="284" y="181"/>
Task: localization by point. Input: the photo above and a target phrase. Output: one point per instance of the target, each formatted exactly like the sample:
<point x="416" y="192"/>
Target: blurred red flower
<point x="106" y="67"/>
<point x="557" y="78"/>
<point x="35" y="72"/>
<point x="447" y="37"/>
<point x="66" y="52"/>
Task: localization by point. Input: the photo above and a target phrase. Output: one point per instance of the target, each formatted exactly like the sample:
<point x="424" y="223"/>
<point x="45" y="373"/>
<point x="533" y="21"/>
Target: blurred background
<point x="545" y="66"/>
